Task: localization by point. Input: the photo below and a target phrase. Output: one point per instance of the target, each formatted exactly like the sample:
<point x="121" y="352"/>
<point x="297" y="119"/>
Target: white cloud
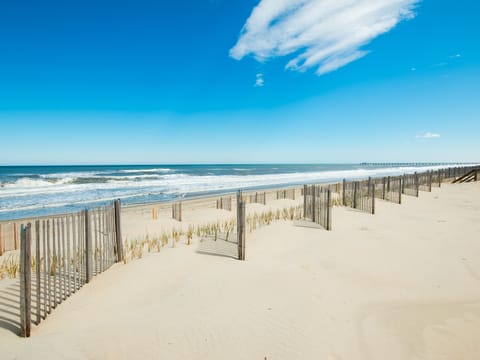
<point x="456" y="56"/>
<point x="321" y="34"/>
<point x="428" y="135"/>
<point x="259" y="82"/>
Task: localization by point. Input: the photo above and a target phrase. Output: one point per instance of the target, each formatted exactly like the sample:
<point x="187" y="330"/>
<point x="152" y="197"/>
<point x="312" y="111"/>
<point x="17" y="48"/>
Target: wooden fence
<point x="260" y="198"/>
<point x="177" y="211"/>
<point x="359" y="195"/>
<point x="437" y="178"/>
<point x="64" y="253"/>
<point x="389" y="189"/>
<point x="425" y="181"/>
<point x="286" y="194"/>
<point x="225" y="203"/>
<point x="410" y="184"/>
<point x="317" y="205"/>
<point x="241" y="216"/>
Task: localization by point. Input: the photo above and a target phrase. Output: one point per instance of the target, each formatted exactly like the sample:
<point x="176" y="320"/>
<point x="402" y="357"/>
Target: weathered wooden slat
<point x="373" y="197"/>
<point x="329" y="210"/>
<point x="74" y="252"/>
<point x="49" y="264"/>
<point x="69" y="226"/>
<point x="88" y="248"/>
<point x="81" y="249"/>
<point x="95" y="246"/>
<point x="45" y="269"/>
<point x="98" y="233"/>
<point x="25" y="281"/>
<point x="55" y="262"/>
<point x="118" y="230"/>
<point x="241" y="226"/>
<point x="37" y="268"/>
<point x="63" y="262"/>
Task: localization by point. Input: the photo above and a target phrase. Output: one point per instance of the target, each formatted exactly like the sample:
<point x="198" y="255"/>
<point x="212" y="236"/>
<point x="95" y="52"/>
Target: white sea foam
<point x="159" y="170"/>
<point x="27" y="193"/>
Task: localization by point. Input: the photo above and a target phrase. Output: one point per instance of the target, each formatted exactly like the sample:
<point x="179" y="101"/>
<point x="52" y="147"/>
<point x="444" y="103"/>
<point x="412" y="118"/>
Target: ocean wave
<point x="28" y="193"/>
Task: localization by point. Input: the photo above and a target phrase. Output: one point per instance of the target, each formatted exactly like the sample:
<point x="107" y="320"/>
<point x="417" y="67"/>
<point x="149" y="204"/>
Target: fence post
<point x="415" y="181"/>
<point x="384" y="187"/>
<point x="37" y="266"/>
<point x="88" y="247"/>
<point x="304" y="200"/>
<point x="314" y="205"/>
<point x="355" y="185"/>
<point x="25" y="281"/>
<point x="118" y="229"/>
<point x="400" y="190"/>
<point x="373" y="197"/>
<point x="240" y="226"/>
<point x="430" y="180"/>
<point x="329" y="210"/>
<point x="403" y="184"/>
<point x="344" y="200"/>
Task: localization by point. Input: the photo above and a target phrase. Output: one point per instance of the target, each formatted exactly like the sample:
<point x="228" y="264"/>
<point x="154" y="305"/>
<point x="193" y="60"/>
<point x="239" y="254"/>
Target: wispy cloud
<point x="321" y="34"/>
<point x="259" y="82"/>
<point x="456" y="56"/>
<point x="428" y="135"/>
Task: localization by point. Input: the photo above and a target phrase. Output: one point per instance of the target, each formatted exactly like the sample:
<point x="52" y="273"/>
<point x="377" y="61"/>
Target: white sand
<point x="402" y="284"/>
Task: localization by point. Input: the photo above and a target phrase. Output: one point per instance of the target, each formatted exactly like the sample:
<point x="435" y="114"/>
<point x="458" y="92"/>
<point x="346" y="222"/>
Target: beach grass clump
<point x="10" y="267"/>
<point x="190" y="233"/>
<point x="220" y="229"/>
<point x="164" y="239"/>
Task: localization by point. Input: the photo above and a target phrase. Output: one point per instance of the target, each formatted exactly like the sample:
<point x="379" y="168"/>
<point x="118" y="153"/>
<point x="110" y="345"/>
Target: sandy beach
<point x="401" y="284"/>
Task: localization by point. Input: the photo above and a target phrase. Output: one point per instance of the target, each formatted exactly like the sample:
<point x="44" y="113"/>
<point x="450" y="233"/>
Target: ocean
<point x="29" y="191"/>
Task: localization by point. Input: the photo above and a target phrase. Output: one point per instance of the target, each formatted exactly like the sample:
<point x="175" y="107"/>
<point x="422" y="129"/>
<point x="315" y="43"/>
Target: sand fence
<point x="61" y="254"/>
<point x="317" y="205"/>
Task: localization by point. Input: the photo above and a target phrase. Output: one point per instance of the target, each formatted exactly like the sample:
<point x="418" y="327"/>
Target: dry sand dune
<point x="402" y="284"/>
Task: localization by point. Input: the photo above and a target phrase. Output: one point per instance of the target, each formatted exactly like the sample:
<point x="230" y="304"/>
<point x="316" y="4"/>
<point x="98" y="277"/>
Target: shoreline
<point x="398" y="285"/>
<point x="143" y="199"/>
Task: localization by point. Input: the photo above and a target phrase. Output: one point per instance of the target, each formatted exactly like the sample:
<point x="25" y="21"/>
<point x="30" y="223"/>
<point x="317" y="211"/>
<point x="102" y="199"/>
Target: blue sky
<point x="239" y="81"/>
